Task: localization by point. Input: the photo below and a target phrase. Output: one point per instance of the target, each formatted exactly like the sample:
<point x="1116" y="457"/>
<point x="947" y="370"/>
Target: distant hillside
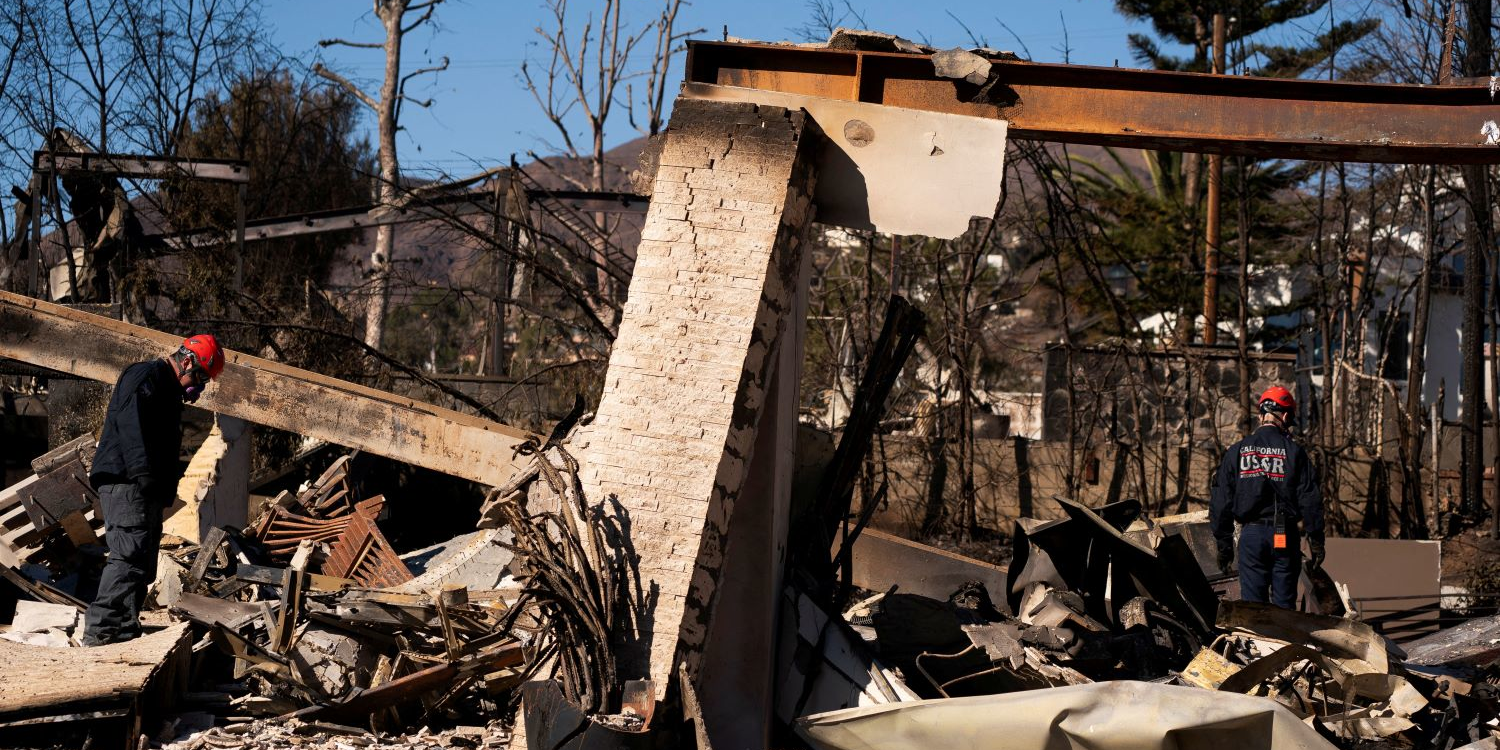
<point x="429" y="254"/>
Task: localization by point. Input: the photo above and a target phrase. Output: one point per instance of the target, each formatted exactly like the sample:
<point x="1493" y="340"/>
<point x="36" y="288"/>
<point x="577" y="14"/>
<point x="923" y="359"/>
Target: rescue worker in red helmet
<point x="1267" y="483"/>
<point x="135" y="472"/>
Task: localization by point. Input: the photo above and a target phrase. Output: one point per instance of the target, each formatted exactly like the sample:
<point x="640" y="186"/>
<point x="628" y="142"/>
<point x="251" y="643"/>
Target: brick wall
<point x="714" y="275"/>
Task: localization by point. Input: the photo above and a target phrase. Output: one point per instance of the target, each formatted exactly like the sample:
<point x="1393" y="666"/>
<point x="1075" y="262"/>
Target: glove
<point x="1316" y="553"/>
<point x="1226" y="556"/>
<point x="148" y="486"/>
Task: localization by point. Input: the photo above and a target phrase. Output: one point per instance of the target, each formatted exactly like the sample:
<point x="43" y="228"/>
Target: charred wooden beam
<point x="439" y="208"/>
<point x="269" y="393"/>
<point x="136" y="165"/>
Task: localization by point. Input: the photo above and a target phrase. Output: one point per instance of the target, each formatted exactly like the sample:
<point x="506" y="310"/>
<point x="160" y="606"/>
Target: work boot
<point x="89" y="641"/>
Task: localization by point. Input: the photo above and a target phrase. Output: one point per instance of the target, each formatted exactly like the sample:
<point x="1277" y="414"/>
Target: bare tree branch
<point x="347" y="43"/>
<point x="427" y="7"/>
<point x="344" y="83"/>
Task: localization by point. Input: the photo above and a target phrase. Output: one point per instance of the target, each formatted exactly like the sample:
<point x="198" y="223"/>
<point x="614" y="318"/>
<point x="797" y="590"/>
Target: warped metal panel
<point x="1121" y="715"/>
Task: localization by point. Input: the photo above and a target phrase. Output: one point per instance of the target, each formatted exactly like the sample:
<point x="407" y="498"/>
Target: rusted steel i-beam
<point x="1217" y="114"/>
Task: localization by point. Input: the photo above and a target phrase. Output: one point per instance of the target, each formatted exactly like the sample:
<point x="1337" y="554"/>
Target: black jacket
<point x="1258" y="473"/>
<point x="142" y="434"/>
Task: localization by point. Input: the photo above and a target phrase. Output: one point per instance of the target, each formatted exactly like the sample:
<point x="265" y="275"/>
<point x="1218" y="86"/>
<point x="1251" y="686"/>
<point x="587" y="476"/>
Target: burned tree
<point x="585" y="68"/>
<point x="387" y="108"/>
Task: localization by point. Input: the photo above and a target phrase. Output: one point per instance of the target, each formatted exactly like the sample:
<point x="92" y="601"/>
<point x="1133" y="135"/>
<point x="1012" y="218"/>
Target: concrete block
<point x="339" y="663"/>
<point x="36" y="617"/>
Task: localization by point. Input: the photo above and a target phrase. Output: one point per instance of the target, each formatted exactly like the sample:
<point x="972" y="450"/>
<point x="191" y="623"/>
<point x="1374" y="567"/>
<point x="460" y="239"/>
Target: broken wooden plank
<point x="41" y="591"/>
<point x="269" y="393"/>
<point x="56" y="494"/>
<point x="80" y="448"/>
<point x="443" y="599"/>
<point x="206" y="553"/>
<point x="38" y="680"/>
<point x="330" y="487"/>
<point x="78" y="529"/>
<point x="138" y="165"/>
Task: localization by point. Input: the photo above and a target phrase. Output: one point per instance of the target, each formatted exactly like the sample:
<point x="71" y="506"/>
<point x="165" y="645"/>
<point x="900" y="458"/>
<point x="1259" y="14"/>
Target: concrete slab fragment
<point x="35" y="617"/>
<point x="475" y="561"/>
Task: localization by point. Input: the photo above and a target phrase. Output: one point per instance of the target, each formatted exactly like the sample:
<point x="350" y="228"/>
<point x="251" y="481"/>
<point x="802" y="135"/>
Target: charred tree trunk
<point x="1411" y="485"/>
<point x="1477" y="241"/>
<point x="1242" y="341"/>
<point x="387" y="109"/>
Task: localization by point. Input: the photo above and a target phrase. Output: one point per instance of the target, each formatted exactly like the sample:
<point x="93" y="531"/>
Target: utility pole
<point x="1211" y="239"/>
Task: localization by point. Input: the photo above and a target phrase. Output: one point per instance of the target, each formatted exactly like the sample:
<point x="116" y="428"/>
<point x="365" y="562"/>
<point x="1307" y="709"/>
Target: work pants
<point x="1264" y="569"/>
<point x="133" y="534"/>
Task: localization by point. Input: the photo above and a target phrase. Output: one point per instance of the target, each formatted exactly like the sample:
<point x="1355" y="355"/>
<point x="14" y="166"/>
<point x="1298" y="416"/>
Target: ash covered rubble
<point x="1104" y="597"/>
<point x="306" y="627"/>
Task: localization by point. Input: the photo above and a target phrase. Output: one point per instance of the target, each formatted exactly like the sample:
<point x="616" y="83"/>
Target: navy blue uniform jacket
<point x="1259" y="472"/>
<point x="143" y="428"/>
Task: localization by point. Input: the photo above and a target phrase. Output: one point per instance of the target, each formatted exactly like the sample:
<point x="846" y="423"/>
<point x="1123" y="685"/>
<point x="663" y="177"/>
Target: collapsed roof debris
<point x="1068" y="651"/>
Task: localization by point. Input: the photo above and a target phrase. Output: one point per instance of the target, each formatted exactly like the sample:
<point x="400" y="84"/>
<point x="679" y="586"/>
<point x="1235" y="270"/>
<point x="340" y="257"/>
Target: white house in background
<point x="1393" y="287"/>
<point x="1444" y="351"/>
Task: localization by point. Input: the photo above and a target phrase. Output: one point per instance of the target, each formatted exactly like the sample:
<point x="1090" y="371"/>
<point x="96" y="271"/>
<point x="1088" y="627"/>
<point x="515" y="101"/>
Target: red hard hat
<point x="205" y="349"/>
<point x="1279" y="399"/>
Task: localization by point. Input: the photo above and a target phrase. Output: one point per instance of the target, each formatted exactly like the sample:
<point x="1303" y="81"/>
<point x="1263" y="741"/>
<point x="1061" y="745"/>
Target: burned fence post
<point x="1023" y="475"/>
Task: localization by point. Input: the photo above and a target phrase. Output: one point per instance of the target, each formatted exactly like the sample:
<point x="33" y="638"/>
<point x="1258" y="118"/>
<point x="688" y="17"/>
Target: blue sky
<point x="482" y="113"/>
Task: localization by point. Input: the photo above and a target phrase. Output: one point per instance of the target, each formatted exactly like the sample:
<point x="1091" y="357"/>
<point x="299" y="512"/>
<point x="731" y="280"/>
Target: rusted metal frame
<point x="136" y="165"/>
<point x="283" y="530"/>
<point x="363" y="554"/>
<point x="1218" y="114"/>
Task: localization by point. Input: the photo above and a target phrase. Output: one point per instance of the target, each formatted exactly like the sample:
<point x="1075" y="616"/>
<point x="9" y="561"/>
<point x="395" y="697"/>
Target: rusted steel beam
<point x="1217" y="114"/>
